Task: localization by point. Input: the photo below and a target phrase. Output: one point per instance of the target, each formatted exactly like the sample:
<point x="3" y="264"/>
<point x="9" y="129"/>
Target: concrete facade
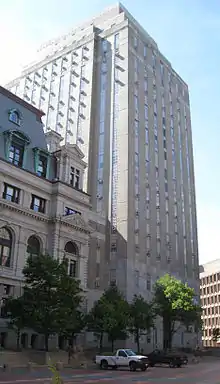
<point x="210" y="300"/>
<point x="106" y="87"/>
<point x="41" y="213"/>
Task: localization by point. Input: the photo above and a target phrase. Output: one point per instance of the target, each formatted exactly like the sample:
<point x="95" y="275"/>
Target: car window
<point x="122" y="354"/>
<point x="130" y="352"/>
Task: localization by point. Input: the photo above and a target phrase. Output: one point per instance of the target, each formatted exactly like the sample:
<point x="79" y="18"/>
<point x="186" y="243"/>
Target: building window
<point x="148" y="282"/>
<point x="72" y="250"/>
<point x="42" y="166"/>
<point x="135" y="42"/>
<point x="11" y="193"/>
<point x="73" y="268"/>
<point x="5" y="247"/>
<point x="33" y="246"/>
<point x="16" y="153"/>
<point x="137" y="278"/>
<point x="38" y="204"/>
<point x="70" y="211"/>
<point x="116" y="41"/>
<point x="15" y="117"/>
<point x="75" y="177"/>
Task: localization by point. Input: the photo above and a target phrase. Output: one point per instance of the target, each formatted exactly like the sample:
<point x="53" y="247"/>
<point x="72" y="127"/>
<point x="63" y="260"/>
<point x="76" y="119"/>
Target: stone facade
<point x="42" y="206"/>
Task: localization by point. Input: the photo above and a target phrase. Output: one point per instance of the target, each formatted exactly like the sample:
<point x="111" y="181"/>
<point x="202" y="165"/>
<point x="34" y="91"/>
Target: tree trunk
<point x="18" y="338"/>
<point x="167" y="333"/>
<point x="113" y="342"/>
<point x="137" y="340"/>
<point x="100" y="342"/>
<point x="46" y="342"/>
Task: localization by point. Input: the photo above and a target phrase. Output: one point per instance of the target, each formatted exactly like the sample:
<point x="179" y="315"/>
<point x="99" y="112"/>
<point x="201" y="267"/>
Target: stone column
<point x="83" y="268"/>
<point x="55" y="240"/>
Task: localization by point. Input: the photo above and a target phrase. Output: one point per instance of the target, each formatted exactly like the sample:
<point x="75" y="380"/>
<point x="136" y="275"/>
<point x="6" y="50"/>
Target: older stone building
<point x="42" y="206"/>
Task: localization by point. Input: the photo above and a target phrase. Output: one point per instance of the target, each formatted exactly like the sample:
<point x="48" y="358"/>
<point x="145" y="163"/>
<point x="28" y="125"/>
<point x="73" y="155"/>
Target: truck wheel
<point x="104" y="365"/>
<point x="133" y="366"/>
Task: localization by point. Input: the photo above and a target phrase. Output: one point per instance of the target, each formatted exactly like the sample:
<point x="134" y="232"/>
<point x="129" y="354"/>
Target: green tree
<point x="174" y="301"/>
<point x="95" y="322"/>
<point x="215" y="334"/>
<point x="141" y="318"/>
<point x="50" y="294"/>
<point x="110" y="315"/>
<point x="17" y="312"/>
<point x="71" y="319"/>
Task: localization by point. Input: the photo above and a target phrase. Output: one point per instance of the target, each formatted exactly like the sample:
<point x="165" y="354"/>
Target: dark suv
<point x="173" y="359"/>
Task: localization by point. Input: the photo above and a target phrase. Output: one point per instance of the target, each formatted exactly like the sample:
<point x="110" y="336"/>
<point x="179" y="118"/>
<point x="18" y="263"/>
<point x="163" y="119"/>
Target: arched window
<point x="33" y="246"/>
<point x="72" y="250"/>
<point x="5" y="247"/>
<point x="71" y="247"/>
<point x="14" y="116"/>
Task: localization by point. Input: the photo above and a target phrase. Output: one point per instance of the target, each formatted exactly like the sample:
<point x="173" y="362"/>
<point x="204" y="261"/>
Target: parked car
<point x="173" y="359"/>
<point x="123" y="358"/>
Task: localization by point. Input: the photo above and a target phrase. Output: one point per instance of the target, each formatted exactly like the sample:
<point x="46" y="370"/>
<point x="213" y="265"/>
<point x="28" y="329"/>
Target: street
<point x="207" y="372"/>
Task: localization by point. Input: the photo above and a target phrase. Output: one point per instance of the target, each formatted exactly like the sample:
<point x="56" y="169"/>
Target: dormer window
<point x="42" y="166"/>
<point x="41" y="161"/>
<point x="75" y="177"/>
<point x="14" y="116"/>
<point x="15" y="147"/>
<point x="16" y="153"/>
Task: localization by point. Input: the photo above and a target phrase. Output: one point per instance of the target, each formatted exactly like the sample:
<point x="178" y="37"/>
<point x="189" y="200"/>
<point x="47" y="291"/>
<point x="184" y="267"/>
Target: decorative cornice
<point x="72" y="221"/>
<point x="25" y="212"/>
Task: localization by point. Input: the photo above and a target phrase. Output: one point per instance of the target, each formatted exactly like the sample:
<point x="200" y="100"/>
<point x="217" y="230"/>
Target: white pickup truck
<point x="123" y="358"/>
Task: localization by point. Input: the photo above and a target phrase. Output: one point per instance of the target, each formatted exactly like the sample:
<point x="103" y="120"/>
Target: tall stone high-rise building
<point x="106" y="87"/>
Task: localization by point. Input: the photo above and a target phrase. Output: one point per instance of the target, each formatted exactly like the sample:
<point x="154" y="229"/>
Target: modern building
<point x="42" y="204"/>
<point x="108" y="89"/>
<point x="210" y="300"/>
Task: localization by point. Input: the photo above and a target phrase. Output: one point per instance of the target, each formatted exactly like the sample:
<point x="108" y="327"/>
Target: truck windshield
<point x="130" y="352"/>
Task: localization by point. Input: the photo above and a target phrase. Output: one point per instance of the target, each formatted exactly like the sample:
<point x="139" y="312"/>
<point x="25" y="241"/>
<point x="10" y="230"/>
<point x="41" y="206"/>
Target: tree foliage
<point x="141" y="318"/>
<point x="95" y="322"/>
<point x="18" y="313"/>
<point x="71" y="319"/>
<point x="53" y="297"/>
<point x="110" y="315"/>
<point x="174" y="301"/>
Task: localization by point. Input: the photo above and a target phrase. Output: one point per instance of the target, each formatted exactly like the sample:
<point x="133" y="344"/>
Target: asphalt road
<point x="203" y="373"/>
